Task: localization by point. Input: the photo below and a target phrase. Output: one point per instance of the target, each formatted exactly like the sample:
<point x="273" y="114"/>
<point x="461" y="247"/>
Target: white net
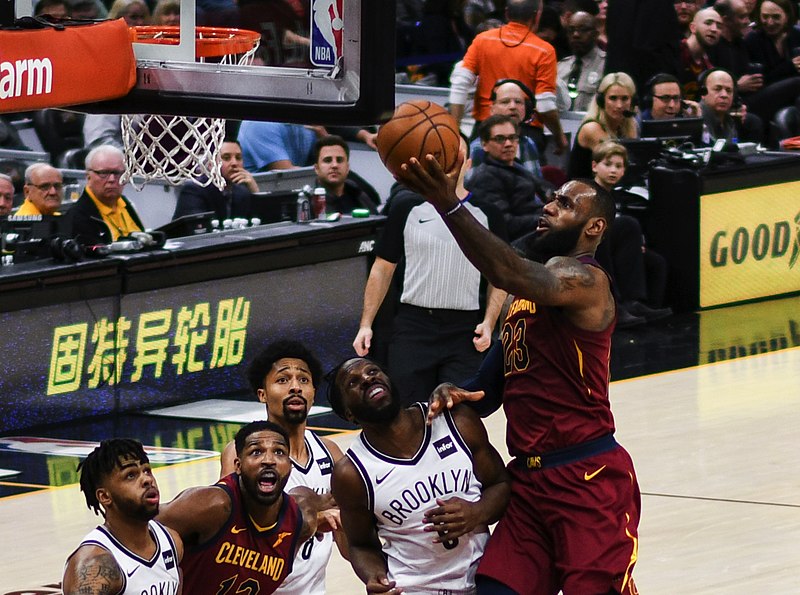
<point x="180" y="148"/>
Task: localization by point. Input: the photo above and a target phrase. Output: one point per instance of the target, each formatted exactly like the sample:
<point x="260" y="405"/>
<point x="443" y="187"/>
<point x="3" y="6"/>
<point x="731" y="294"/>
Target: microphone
<point x="628" y="114"/>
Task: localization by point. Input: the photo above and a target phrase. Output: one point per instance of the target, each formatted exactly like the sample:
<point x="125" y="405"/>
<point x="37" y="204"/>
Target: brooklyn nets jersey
<point x="308" y="573"/>
<point x="159" y="574"/>
<point x="400" y="491"/>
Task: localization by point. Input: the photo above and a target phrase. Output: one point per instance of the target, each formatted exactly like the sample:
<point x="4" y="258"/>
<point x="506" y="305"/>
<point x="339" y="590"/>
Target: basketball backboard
<point x="319" y="62"/>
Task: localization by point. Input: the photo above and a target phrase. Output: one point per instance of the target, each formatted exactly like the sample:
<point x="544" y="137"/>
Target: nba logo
<point x="327" y="22"/>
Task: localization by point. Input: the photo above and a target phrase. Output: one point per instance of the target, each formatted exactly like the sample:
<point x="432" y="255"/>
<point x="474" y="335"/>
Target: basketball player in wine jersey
<point x="572" y="521"/>
<point x="284" y="376"/>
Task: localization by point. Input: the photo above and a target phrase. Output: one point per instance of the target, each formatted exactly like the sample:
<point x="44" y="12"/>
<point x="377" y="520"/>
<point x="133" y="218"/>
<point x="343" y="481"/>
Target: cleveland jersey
<point x="400" y="491"/>
<point x="242" y="557"/>
<point x="556" y="379"/>
<point x="308" y="574"/>
<point x="159" y="574"/>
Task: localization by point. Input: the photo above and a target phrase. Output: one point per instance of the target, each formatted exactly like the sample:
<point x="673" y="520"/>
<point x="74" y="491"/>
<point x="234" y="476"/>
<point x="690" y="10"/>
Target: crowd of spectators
<point x="520" y="65"/>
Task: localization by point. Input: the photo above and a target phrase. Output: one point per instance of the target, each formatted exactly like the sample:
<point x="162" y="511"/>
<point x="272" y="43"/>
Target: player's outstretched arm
<point x="557" y="284"/>
<point x="366" y="554"/>
<point x="482" y="392"/>
<point x="454" y="517"/>
<point x="196" y="514"/>
<point x="92" y="570"/>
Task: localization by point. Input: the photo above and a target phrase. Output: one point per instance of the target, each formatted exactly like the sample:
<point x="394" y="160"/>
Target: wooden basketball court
<point x="714" y="447"/>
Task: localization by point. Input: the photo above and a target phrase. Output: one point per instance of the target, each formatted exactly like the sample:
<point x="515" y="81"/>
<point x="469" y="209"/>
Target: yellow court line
<point x="706" y="365"/>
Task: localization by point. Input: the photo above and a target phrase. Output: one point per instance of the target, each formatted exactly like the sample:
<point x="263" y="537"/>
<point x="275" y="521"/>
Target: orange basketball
<point x="417" y="128"/>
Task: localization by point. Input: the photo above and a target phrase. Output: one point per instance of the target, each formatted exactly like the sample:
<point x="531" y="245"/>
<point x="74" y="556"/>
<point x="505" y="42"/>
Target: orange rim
<point x="210" y="42"/>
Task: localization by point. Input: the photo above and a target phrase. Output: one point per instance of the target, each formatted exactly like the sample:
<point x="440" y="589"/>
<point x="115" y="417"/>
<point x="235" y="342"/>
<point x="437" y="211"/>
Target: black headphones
<point x="600" y="96"/>
<point x="702" y="90"/>
<point x="656" y="79"/>
<point x="530" y="101"/>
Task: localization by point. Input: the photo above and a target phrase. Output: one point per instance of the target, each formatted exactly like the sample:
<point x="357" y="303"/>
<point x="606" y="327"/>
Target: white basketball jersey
<point x="400" y="491"/>
<point x="159" y="574"/>
<point x="308" y="573"/>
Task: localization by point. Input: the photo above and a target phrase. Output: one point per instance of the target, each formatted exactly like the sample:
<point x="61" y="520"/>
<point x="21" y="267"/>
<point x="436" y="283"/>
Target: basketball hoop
<point x="178" y="148"/>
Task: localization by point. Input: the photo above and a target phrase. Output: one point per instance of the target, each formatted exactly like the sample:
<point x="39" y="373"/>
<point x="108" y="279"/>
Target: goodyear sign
<point x="749" y="244"/>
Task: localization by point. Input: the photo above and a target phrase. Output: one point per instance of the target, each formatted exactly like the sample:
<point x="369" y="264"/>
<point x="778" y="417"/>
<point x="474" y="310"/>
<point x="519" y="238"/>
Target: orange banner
<point x="57" y="68"/>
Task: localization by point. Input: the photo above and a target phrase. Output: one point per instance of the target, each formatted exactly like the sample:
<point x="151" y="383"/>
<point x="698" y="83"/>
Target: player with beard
<point x="242" y="533"/>
<point x="284" y="377"/>
<point x="129" y="553"/>
<point x="402" y="480"/>
<point x="572" y="521"/>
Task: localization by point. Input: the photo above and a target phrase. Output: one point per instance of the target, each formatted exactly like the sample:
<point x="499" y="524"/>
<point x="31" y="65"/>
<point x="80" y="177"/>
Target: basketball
<point x="416" y="129"/>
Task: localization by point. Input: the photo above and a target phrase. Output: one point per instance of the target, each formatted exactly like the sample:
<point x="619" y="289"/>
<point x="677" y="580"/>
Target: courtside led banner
<point x="749" y="244"/>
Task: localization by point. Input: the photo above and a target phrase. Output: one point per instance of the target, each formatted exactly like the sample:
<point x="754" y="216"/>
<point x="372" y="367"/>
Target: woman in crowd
<point x="135" y="12"/>
<point x="611" y="115"/>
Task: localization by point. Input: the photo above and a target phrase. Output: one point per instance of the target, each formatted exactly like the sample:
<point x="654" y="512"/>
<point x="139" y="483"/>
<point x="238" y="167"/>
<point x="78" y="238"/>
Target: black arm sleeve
<point x="489" y="379"/>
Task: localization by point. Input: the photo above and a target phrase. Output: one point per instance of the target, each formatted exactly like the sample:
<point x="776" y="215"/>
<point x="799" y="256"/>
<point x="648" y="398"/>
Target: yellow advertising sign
<point x="749" y="244"/>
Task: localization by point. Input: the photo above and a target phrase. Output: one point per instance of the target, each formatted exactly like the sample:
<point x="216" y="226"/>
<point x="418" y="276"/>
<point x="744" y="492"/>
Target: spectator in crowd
<point x="232" y="201"/>
<point x="273" y="145"/>
<point x="393" y="547"/>
<point x="512" y="51"/>
<point x="663" y="100"/>
<point x="731" y="52"/>
<point x="581" y="72"/>
<point x="639" y="275"/>
<point x="685" y="10"/>
<point x="514" y="99"/>
<point x="135" y="12"/>
<point x="611" y="114"/>
<point x="438" y="332"/>
<point x="6" y="195"/>
<point x="475" y="12"/>
<point x="15" y="170"/>
<point x="56" y="9"/>
<point x="721" y="118"/>
<point x="549" y="28"/>
<point x="600" y="19"/>
<point x="102" y="215"/>
<point x="568" y="9"/>
<point x="344" y="190"/>
<point x="87" y="9"/>
<point x="775" y="45"/>
<point x="167" y="12"/>
<point x="643" y="38"/>
<point x="502" y="181"/>
<point x="694" y="59"/>
<point x="44" y="190"/>
<point x="102" y="129"/>
<point x="776" y="40"/>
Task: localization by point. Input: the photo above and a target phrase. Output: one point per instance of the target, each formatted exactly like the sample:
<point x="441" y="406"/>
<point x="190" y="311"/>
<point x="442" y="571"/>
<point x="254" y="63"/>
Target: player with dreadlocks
<point x="129" y="553"/>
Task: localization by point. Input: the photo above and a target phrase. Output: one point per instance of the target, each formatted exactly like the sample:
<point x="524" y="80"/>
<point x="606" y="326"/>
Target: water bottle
<point x="303" y="207"/>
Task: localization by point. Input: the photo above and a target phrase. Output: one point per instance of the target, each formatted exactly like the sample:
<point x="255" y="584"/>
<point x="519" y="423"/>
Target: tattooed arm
<point x="92" y="570"/>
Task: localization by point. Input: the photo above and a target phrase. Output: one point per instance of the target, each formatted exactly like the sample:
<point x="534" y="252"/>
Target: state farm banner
<point x="59" y="67"/>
